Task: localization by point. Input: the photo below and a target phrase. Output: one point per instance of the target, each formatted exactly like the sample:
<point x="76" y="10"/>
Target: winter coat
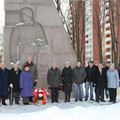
<point x="119" y="76"/>
<point x="14" y="79"/>
<point x="26" y="83"/>
<point x="90" y="74"/>
<point x="33" y="70"/>
<point x="79" y="75"/>
<point x="119" y="73"/>
<point x="106" y="69"/>
<point x="67" y="75"/>
<point x="100" y="79"/>
<point x="95" y="67"/>
<point x="113" y="78"/>
<point x="4" y="78"/>
<point x="54" y="77"/>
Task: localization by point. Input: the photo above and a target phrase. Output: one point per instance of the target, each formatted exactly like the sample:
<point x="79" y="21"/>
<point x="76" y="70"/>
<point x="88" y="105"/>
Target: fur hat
<point x="67" y="63"/>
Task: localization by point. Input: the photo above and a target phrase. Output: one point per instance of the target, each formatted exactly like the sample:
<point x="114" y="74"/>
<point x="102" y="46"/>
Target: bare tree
<point x="97" y="13"/>
<point x="78" y="16"/>
<point x="97" y="26"/>
<point x="115" y="30"/>
<point x="64" y="18"/>
<point x="77" y="31"/>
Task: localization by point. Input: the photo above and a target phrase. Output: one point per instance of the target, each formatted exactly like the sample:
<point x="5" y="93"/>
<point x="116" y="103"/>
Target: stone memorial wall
<point x="33" y="28"/>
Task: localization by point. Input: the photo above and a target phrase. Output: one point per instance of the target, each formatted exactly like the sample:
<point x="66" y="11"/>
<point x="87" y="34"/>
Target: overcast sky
<point x="2" y="16"/>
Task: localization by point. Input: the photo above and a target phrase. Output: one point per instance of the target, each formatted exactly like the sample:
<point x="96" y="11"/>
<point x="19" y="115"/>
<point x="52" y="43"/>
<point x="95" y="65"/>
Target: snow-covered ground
<point x="65" y="111"/>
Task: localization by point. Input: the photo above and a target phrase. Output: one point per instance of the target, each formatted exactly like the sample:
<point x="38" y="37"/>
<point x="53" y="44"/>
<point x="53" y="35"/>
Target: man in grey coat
<point x="34" y="71"/>
<point x="79" y="75"/>
<point x="54" y="80"/>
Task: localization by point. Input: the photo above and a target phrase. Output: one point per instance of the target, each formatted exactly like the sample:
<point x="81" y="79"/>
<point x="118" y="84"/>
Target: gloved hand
<point x="11" y="85"/>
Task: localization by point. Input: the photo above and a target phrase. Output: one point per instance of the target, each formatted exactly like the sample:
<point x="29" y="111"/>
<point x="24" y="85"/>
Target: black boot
<point x="4" y="104"/>
<point x="65" y="97"/>
<point x="31" y="99"/>
<point x="68" y="97"/>
<point x="3" y="101"/>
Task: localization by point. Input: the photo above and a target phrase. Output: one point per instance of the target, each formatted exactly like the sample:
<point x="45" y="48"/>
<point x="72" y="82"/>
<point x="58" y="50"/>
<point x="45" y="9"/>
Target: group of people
<point x="101" y="80"/>
<point x="97" y="78"/>
<point x="16" y="82"/>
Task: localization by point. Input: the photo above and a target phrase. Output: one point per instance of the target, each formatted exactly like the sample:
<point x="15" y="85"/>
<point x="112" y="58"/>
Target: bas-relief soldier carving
<point x="26" y="38"/>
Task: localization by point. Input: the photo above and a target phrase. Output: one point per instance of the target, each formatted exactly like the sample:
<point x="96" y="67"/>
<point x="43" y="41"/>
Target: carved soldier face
<point x="24" y="17"/>
<point x="27" y="14"/>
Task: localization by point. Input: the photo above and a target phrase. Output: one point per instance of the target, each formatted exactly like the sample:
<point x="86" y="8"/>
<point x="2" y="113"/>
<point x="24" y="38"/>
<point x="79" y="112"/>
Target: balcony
<point x="108" y="46"/>
<point x="107" y="5"/>
<point x="108" y="53"/>
<point x="107" y="12"/>
<point x="107" y="19"/>
<point x="86" y="40"/>
<point x="108" y="32"/>
<point x="109" y="60"/>
<point x="107" y="25"/>
<point x="88" y="55"/>
<point x="108" y="39"/>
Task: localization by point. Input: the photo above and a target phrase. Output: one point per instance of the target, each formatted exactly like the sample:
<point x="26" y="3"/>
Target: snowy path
<point x="54" y="111"/>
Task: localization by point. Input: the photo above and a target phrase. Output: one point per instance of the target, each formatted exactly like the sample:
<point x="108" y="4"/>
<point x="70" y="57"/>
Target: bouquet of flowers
<point x="40" y="94"/>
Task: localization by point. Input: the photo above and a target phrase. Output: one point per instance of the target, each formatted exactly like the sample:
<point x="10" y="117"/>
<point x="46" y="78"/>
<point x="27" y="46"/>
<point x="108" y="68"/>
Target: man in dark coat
<point x="106" y="88"/>
<point x="99" y="83"/>
<point x="14" y="77"/>
<point x="89" y="81"/>
<point x="95" y="66"/>
<point x="4" y="78"/>
<point x="67" y="75"/>
<point x="34" y="71"/>
<point x="54" y="80"/>
<point x="79" y="75"/>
